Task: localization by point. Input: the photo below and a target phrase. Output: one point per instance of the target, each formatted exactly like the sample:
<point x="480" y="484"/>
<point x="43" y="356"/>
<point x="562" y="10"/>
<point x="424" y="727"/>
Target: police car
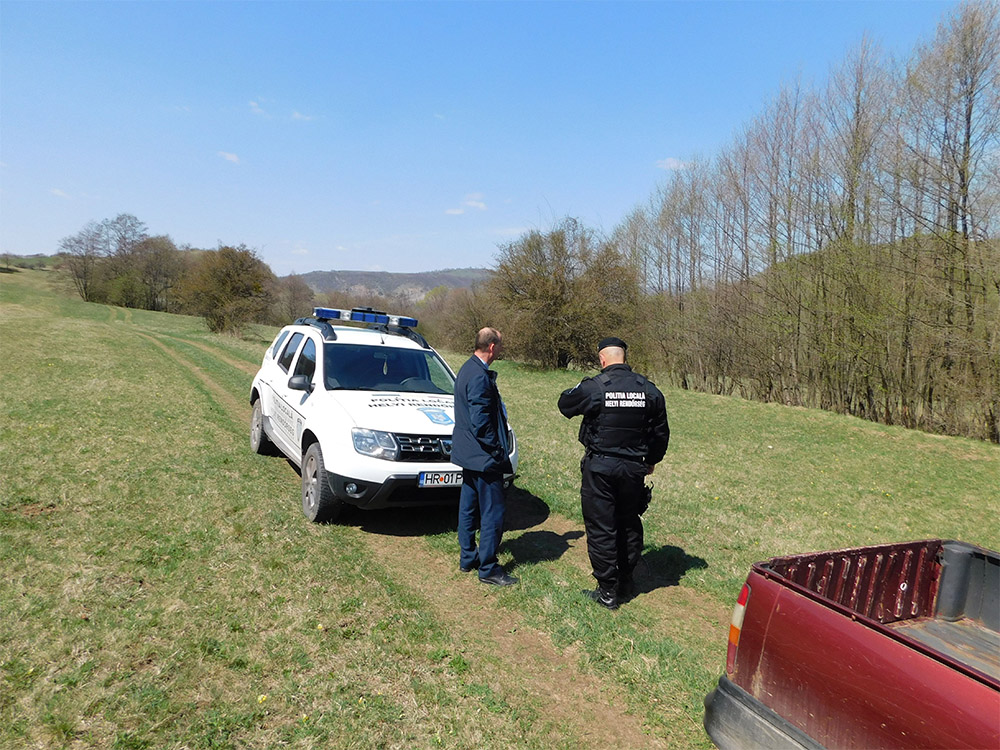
<point x="364" y="406"/>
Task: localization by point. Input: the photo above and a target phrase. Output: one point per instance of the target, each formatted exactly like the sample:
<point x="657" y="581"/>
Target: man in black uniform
<point x="625" y="432"/>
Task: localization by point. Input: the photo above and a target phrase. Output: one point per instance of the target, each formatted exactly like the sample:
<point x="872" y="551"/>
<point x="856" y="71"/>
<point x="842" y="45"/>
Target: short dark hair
<point x="487" y="336"/>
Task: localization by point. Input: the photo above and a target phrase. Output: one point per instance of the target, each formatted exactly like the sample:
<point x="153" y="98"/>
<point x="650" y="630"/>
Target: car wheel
<point x="260" y="443"/>
<point x="319" y="504"/>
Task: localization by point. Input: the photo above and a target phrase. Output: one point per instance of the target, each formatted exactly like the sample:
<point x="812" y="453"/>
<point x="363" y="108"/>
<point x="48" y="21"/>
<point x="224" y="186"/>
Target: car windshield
<point x="376" y="368"/>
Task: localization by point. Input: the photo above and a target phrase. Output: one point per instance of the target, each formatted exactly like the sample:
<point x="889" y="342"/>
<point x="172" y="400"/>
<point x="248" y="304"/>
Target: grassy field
<point x="161" y="588"/>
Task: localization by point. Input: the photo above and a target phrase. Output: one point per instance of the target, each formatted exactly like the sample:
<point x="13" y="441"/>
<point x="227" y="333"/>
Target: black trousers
<point x="611" y="495"/>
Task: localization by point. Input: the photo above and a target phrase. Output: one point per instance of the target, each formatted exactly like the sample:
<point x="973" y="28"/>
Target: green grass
<point x="162" y="589"/>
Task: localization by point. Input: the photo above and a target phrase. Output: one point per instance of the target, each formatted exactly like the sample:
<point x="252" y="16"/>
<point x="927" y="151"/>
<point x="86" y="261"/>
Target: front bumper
<point x="398" y="491"/>
<point x="735" y="720"/>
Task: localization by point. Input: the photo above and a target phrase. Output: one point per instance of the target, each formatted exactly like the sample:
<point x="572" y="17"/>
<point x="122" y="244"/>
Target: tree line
<point x="117" y="262"/>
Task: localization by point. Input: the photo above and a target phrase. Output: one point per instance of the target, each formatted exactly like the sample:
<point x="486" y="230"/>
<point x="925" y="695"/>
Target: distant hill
<point x="409" y="286"/>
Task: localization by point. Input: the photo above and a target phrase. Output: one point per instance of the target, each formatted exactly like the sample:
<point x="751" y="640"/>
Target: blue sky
<point x="405" y="136"/>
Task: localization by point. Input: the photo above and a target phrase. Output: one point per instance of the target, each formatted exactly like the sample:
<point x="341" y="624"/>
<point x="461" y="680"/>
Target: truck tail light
<point x="735" y="626"/>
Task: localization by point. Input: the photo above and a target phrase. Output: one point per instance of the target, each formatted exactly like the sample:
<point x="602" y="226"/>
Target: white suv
<point x="366" y="412"/>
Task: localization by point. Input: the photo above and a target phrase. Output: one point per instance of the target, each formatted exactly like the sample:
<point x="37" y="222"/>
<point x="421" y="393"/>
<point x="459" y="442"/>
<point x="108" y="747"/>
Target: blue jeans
<point x="481" y="505"/>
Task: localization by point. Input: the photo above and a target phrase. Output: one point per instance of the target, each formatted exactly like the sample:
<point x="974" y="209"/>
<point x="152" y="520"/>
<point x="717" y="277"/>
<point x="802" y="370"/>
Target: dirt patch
<point x="561" y="693"/>
<point x="33" y="510"/>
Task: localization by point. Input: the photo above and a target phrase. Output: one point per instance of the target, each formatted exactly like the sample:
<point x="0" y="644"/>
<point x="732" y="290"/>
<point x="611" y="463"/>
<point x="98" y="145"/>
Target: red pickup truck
<point x="893" y="646"/>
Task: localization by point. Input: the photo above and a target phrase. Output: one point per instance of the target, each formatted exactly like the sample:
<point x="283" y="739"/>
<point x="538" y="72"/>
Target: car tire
<point x="319" y="504"/>
<point x="260" y="443"/>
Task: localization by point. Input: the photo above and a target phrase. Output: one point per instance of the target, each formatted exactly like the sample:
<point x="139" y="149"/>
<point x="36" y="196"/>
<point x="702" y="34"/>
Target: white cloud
<point x="671" y="164"/>
<point x="229" y="157"/>
<point x="472" y="200"/>
<point x="59" y="193"/>
<point x="304" y="118"/>
<point x="300" y="251"/>
<point x="257" y="109"/>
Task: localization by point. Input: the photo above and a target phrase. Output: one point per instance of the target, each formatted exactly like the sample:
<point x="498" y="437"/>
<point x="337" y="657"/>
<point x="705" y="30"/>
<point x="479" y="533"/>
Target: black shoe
<point x="607" y="599"/>
<point x="499" y="579"/>
<point x="474" y="566"/>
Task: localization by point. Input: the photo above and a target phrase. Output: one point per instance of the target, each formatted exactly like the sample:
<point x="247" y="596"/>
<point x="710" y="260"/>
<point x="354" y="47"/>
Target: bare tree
<point x="124" y="233"/>
<point x="84" y="251"/>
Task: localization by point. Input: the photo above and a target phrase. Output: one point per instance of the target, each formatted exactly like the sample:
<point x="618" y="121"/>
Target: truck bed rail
<point x="886" y="583"/>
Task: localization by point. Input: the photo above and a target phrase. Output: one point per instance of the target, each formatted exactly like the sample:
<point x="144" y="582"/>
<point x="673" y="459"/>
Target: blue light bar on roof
<point x="364" y="316"/>
<point x="327" y="313"/>
<point x="369" y="317"/>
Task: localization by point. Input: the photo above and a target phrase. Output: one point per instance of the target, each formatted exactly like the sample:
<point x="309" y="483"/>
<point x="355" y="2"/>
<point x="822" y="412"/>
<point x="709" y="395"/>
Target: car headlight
<point x="375" y="443"/>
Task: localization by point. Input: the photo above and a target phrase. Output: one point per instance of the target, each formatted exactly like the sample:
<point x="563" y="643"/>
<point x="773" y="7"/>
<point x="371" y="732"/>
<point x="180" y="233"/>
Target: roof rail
<point x="329" y="334"/>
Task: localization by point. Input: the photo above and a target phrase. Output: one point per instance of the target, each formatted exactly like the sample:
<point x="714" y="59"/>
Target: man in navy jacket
<point x="479" y="446"/>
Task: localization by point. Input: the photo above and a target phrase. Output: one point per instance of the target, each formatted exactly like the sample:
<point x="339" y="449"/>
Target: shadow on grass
<point x="415" y="521"/>
<point x="524" y="511"/>
<point x="539" y="546"/>
<point x="664" y="566"/>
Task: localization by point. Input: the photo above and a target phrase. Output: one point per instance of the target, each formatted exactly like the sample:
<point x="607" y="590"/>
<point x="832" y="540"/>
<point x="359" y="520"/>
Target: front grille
<point x="424" y="447"/>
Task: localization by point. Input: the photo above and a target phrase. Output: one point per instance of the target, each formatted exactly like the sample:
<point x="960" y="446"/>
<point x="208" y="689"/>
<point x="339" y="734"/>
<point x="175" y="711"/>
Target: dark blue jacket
<point x="479" y="442"/>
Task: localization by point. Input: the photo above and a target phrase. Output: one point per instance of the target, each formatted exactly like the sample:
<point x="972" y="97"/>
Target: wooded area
<point x="117" y="262"/>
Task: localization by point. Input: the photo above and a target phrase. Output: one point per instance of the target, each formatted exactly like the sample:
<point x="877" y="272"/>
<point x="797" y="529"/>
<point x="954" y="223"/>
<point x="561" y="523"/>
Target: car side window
<point x="306" y="364"/>
<point x="289" y="354"/>
<point x="276" y="347"/>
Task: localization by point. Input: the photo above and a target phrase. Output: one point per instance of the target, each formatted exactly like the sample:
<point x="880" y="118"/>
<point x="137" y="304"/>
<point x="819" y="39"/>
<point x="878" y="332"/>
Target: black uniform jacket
<point x="624" y="415"/>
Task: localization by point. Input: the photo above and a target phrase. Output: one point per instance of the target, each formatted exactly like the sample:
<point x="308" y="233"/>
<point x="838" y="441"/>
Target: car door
<point x="301" y="401"/>
<point x="281" y="414"/>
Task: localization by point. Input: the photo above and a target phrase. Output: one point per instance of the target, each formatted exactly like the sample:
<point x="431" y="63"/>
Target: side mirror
<point x="300" y="383"/>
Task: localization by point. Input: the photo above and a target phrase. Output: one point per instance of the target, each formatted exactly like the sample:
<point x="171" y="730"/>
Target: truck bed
<point x="965" y="641"/>
<point x="888" y="646"/>
<point x="941" y="595"/>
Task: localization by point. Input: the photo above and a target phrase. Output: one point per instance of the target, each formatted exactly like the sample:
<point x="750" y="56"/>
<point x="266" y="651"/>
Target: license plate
<point x="440" y="479"/>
